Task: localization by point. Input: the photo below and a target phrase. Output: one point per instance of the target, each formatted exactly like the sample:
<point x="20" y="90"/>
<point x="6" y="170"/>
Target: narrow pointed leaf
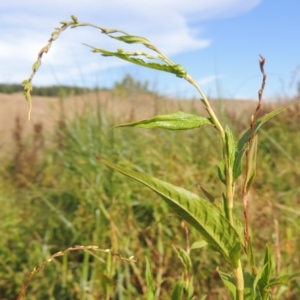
<point x="243" y="143"/>
<point x="250" y="174"/>
<point x="184" y="258"/>
<point x="196" y="211"/>
<point x="176" y="121"/>
<point x="229" y="159"/>
<point x="258" y="278"/>
<point x="221" y="171"/>
<point x="229" y="282"/>
<point x="265" y="275"/>
<point x="178" y="289"/>
<point x="282" y="280"/>
<point x="250" y="293"/>
<point x="131" y="39"/>
<point x="251" y="256"/>
<point x="230" y="147"/>
<point x="190" y="290"/>
<point x="208" y="195"/>
<point x="178" y="70"/>
<point x="239" y="227"/>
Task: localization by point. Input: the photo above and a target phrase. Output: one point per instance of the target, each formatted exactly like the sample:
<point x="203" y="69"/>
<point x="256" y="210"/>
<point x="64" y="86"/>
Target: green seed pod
<point x="36" y="65"/>
<point x="74" y="18"/>
<point x="54" y="35"/>
<point x="105" y="30"/>
<point x="180" y="71"/>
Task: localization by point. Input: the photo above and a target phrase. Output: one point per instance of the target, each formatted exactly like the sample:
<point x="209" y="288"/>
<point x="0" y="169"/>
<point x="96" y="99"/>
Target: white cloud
<point x="208" y="79"/>
<point x="25" y="26"/>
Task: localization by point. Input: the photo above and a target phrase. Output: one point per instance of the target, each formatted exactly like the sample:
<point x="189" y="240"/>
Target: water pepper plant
<point x="216" y="223"/>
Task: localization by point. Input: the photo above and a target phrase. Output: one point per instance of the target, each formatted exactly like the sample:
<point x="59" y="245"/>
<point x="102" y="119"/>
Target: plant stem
<point x="210" y="111"/>
<point x="238" y="272"/>
<point x="239" y="277"/>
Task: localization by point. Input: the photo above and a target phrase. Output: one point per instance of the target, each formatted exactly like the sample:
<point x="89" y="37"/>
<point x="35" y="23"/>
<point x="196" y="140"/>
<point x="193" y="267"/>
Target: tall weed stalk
<point x="214" y="219"/>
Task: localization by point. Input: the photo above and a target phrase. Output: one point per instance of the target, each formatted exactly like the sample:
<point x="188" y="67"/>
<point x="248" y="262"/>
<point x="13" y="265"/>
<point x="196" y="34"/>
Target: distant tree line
<point x="49" y="91"/>
<point x="127" y="84"/>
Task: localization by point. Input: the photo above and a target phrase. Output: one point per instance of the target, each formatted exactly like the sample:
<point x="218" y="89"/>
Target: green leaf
<point x="178" y="70"/>
<point x="251" y="171"/>
<point x="178" y="290"/>
<point x="131" y="39"/>
<point x="190" y="289"/>
<point x="176" y="121"/>
<point x="282" y="280"/>
<point x="243" y="143"/>
<point x="183" y="291"/>
<point x="230" y="147"/>
<point x="221" y="171"/>
<point x="256" y="287"/>
<point x="184" y="258"/>
<point x="239" y="227"/>
<point x="229" y="282"/>
<point x="250" y="292"/>
<point x="231" y="152"/>
<point x="265" y="276"/>
<point x="151" y="288"/>
<point x="196" y="211"/>
<point x="208" y="195"/>
<point x="251" y="256"/>
<point x="198" y="245"/>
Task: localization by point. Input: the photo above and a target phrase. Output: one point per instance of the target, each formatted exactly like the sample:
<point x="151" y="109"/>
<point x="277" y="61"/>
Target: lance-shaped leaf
<point x="178" y="70"/>
<point x="131" y="39"/>
<point x="178" y="290"/>
<point x="251" y="257"/>
<point x="196" y="211"/>
<point x="230" y="148"/>
<point x="250" y="291"/>
<point x="243" y="143"/>
<point x="229" y="282"/>
<point x="221" y="171"/>
<point x="265" y="275"/>
<point x="184" y="257"/>
<point x="176" y="121"/>
<point x="284" y="279"/>
<point x="251" y="169"/>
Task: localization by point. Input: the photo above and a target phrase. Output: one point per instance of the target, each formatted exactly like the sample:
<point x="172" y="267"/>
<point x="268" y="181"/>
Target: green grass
<point x="58" y="195"/>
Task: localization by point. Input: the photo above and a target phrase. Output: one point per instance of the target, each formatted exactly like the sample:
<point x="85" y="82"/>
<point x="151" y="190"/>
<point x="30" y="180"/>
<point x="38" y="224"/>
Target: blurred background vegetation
<point x="128" y="83"/>
<point x="54" y="194"/>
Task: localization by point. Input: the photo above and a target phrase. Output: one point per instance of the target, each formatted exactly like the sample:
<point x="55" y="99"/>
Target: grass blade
<point x="149" y="280"/>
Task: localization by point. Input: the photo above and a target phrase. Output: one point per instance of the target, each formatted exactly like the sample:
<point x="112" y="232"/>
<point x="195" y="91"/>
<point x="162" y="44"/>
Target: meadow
<point x="54" y="194"/>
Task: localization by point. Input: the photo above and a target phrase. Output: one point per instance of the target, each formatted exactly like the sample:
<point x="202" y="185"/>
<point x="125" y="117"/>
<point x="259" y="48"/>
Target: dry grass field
<point x="124" y="107"/>
<point x="50" y="179"/>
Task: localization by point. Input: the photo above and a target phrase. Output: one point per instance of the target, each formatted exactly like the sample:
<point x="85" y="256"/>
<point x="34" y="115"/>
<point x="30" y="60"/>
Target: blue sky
<point x="217" y="41"/>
